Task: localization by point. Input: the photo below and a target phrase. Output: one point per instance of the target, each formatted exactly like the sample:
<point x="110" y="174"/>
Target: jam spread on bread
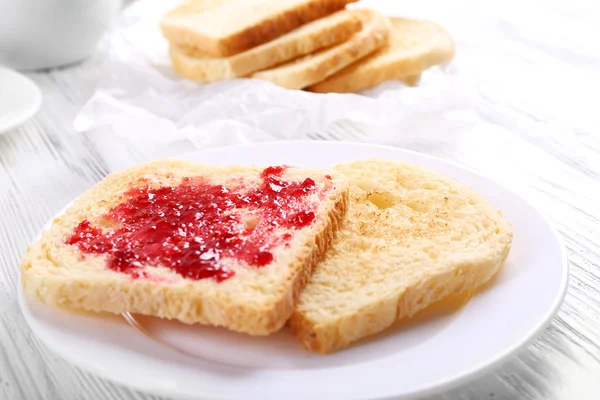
<point x="190" y="228"/>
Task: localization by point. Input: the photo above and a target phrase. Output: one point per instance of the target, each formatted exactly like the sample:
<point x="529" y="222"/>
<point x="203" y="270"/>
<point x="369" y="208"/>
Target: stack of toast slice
<point x="317" y="45"/>
<point x="337" y="254"/>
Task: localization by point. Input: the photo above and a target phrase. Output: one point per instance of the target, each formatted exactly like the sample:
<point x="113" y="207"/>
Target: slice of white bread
<point x="307" y="39"/>
<point x="316" y="67"/>
<point x="413" y="47"/>
<point x="239" y="25"/>
<point x="411" y="238"/>
<point x="195" y="7"/>
<point x="256" y="300"/>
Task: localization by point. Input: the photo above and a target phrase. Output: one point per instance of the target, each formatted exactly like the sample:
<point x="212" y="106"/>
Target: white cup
<point x="40" y="34"/>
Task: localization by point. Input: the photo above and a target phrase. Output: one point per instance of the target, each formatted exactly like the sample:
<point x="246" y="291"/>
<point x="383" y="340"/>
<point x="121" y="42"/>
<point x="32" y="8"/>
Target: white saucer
<point x="20" y="99"/>
<point x="433" y="352"/>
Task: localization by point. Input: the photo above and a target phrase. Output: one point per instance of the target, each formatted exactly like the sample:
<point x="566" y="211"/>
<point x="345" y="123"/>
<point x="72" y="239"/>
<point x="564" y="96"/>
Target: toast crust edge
<point x="248" y="62"/>
<point x="352" y="79"/>
<point x="374" y="36"/>
<point x="253" y="36"/>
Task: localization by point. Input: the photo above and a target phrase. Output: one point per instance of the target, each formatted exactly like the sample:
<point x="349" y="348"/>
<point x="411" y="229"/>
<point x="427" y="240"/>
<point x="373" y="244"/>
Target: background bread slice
<point x="307" y="39"/>
<point x="411" y="237"/>
<point x="255" y="300"/>
<point x="239" y="25"/>
<point x="195" y="6"/>
<point x="413" y="47"/>
<point x="316" y="67"/>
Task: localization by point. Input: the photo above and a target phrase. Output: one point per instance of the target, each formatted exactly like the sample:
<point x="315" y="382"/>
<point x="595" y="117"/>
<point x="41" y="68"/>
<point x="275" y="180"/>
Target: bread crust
<point x="305" y="40"/>
<point x="93" y="289"/>
<point x="258" y="33"/>
<point x="394" y="61"/>
<point x="316" y="67"/>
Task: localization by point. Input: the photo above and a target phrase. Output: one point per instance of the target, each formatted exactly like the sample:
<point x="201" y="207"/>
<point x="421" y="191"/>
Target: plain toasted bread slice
<point x="413" y="47"/>
<point x="116" y="250"/>
<point x="317" y="67"/>
<point x="411" y="237"/>
<point x="239" y="25"/>
<point x="307" y="39"/>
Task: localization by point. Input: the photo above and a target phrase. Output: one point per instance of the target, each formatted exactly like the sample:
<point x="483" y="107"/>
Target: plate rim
<point x="436" y="386"/>
<point x="33" y="108"/>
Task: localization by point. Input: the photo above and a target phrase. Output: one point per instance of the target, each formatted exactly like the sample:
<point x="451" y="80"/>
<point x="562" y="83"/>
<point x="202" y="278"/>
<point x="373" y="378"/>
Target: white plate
<point x="416" y="358"/>
<point x="20" y="99"/>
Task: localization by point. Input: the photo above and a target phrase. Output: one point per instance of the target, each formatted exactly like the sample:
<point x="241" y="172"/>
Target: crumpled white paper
<point x="140" y="99"/>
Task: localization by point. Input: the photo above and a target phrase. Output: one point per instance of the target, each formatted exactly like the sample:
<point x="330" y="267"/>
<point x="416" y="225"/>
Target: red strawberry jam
<point x="190" y="228"/>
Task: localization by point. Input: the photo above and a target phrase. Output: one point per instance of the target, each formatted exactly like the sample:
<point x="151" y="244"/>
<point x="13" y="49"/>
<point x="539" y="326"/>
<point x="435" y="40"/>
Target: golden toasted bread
<point x="307" y="39"/>
<point x="233" y="26"/>
<point x="413" y="47"/>
<point x="411" y="238"/>
<point x="316" y="67"/>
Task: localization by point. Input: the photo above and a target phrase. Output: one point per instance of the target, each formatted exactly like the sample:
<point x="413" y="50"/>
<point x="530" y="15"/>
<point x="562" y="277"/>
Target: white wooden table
<point x="538" y="83"/>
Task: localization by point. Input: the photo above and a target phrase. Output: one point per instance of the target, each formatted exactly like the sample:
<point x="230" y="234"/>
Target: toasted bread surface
<point x="239" y="25"/>
<point x="413" y="47"/>
<point x="411" y="238"/>
<point x="195" y="7"/>
<point x="256" y="300"/>
<point x="307" y="39"/>
<point x="316" y="67"/>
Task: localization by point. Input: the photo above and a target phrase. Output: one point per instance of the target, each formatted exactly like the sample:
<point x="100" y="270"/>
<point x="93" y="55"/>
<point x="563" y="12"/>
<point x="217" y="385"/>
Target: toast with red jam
<point x="224" y="246"/>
